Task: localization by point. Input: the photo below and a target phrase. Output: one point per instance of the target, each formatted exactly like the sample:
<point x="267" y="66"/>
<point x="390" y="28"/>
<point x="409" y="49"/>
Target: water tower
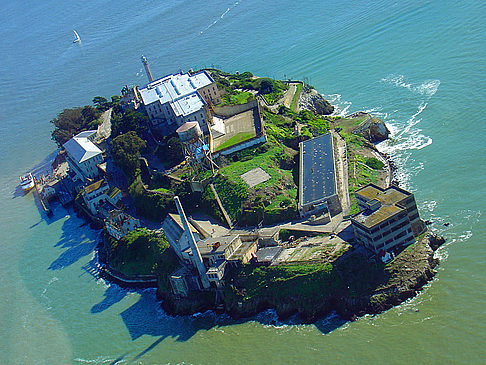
<point x="196" y="152"/>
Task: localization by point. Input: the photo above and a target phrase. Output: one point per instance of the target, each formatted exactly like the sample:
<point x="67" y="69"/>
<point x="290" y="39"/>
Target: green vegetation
<point x="142" y="252"/>
<point x="307" y="284"/>
<point x="171" y="152"/>
<point x="236" y="97"/>
<point x="361" y="170"/>
<point x="298" y="90"/>
<point x="70" y="122"/>
<point x="271" y="90"/>
<point x="238" y="138"/>
<point x="126" y="150"/>
<point x="374" y="163"/>
<point x="151" y="205"/>
<point x="231" y="193"/>
<point x="128" y="121"/>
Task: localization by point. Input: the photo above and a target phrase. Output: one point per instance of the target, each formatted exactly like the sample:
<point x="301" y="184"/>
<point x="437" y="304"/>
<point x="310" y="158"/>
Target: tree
<point x="130" y="120"/>
<point x="175" y="153"/>
<point x="126" y="150"/>
<point x="267" y="86"/>
<point x="101" y="103"/>
<point x="70" y="122"/>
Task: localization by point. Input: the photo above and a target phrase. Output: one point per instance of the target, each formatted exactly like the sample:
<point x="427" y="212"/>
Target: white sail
<point x="77" y="39"/>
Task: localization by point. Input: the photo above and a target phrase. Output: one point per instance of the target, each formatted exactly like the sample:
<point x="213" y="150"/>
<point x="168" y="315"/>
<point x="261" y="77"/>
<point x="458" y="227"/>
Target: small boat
<point x="76" y="39"/>
<point x="27" y="182"/>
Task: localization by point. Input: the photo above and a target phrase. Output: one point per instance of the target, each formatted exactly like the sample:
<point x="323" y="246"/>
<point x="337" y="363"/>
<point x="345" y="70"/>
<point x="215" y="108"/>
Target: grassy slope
<point x="319" y="285"/>
<point x="238" y="138"/>
<point x="296" y="97"/>
<point x="142" y="252"/>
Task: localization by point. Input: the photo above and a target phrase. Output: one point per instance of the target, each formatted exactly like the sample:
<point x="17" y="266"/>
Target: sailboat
<point x="76" y="39"/>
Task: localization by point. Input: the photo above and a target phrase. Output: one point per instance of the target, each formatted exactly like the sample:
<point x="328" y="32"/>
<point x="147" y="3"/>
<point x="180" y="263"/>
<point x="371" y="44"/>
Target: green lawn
<point x="236" y="97"/>
<point x="267" y="160"/>
<point x="238" y="138"/>
<point x="296" y="97"/>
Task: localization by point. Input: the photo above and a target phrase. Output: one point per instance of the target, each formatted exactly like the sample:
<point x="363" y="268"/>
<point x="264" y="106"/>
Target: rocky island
<point x="257" y="196"/>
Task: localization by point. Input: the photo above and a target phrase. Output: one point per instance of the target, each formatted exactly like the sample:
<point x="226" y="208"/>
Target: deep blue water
<point x="417" y="64"/>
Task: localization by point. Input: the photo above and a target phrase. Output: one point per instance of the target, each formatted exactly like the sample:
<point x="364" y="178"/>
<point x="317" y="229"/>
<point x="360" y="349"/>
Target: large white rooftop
<point x="80" y="148"/>
<point x="187" y="105"/>
<point x="173" y="87"/>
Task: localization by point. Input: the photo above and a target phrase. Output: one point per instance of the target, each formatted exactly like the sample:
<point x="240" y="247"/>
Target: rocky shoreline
<point x="411" y="270"/>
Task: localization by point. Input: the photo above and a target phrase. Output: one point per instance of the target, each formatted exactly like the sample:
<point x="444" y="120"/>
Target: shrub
<point x="374" y="163"/>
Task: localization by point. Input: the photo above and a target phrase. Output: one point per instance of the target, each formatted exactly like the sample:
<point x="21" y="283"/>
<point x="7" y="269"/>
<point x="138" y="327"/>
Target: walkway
<point x="104" y="129"/>
<point x="341" y="162"/>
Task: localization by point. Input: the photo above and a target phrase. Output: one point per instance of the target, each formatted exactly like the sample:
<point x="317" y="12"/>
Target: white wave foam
<point x="427" y="87"/>
<point x="341" y="107"/>
<point x="429" y="205"/>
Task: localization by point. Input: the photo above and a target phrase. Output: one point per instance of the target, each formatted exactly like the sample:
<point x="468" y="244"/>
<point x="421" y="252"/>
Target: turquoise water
<point x="419" y="65"/>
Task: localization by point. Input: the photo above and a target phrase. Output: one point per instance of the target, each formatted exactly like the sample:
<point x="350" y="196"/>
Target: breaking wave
<point x="341" y="107"/>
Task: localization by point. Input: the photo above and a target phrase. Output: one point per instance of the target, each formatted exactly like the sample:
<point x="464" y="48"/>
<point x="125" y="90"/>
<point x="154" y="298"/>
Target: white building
<point x="118" y="224"/>
<point x="83" y="156"/>
<point x="98" y="193"/>
<point x="175" y="99"/>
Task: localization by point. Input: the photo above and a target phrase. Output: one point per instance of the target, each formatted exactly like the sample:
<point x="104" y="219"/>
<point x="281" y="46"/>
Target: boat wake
<point x="220" y="17"/>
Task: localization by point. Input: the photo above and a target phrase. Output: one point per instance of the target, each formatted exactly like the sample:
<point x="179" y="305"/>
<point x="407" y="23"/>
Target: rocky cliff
<point x="353" y="288"/>
<point x="373" y="129"/>
<point x="315" y="102"/>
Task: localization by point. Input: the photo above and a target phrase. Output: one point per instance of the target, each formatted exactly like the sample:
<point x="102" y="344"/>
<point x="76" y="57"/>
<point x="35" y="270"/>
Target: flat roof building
<point x="175" y="99"/>
<point x="387" y="217"/>
<point x="317" y="176"/>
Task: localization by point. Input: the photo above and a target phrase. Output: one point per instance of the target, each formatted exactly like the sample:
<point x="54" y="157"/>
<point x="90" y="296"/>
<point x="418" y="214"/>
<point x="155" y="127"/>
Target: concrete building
<point x="83" y="156"/>
<point x="177" y="238"/>
<point x="388" y="218"/>
<point x="218" y="252"/>
<point x="317" y="177"/>
<point x="98" y="193"/>
<point x="118" y="224"/>
<point x="175" y="99"/>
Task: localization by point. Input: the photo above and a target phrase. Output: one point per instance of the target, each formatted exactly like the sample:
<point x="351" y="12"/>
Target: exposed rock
<point x="373" y="129"/>
<point x="315" y="102"/>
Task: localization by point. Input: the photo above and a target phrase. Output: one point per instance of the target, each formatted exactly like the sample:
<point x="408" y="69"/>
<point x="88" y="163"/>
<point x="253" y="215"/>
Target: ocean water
<point x="419" y="65"/>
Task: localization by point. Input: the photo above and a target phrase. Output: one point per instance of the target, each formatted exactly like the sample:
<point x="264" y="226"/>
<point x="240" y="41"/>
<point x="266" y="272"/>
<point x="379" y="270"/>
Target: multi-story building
<point x="175" y="99"/>
<point x="387" y="218"/>
<point x="98" y="193"/>
<point x="83" y="156"/>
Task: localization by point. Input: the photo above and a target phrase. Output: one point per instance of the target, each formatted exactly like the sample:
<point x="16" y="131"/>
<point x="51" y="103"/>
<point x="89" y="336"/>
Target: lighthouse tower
<point x="147" y="69"/>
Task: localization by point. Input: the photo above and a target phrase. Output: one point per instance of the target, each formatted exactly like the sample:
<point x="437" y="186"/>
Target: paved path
<point x="342" y="172"/>
<point x="289" y="95"/>
<point x="104" y="129"/>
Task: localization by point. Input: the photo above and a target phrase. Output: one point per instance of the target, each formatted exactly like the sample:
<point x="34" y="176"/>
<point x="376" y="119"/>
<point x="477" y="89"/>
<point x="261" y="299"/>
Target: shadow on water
<point x="112" y="296"/>
<point x="147" y="318"/>
<point x="76" y="239"/>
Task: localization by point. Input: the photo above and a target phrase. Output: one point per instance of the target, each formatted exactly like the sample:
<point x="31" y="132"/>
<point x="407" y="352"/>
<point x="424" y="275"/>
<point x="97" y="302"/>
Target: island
<point x="238" y="193"/>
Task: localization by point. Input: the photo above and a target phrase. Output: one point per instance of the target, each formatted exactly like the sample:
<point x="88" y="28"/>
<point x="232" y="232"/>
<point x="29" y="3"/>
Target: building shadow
<point x="77" y="240"/>
<point x="146" y="317"/>
<point x="113" y="295"/>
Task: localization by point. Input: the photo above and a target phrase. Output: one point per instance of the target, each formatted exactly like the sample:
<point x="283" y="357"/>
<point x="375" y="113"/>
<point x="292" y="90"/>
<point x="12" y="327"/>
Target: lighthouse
<point x="147" y="69"/>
